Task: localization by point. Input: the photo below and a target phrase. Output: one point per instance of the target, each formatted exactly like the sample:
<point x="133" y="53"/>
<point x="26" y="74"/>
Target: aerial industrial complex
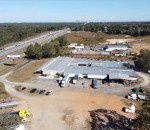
<point x="92" y="69"/>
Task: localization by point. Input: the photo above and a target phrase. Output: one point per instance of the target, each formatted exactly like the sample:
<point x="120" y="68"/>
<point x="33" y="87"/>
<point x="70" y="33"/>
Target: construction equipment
<point x="23" y="113"/>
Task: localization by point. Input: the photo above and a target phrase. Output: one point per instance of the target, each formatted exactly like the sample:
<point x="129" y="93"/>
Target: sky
<point x="74" y="10"/>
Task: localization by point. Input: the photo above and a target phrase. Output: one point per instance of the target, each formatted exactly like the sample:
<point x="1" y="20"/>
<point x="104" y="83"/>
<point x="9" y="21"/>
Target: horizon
<point x="60" y="11"/>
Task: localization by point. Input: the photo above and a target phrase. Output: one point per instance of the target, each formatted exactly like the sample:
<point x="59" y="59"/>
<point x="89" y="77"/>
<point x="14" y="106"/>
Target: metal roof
<point x="84" y="66"/>
<point x="116" y="46"/>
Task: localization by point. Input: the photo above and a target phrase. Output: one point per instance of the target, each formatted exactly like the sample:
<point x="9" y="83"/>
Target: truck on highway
<point x="13" y="56"/>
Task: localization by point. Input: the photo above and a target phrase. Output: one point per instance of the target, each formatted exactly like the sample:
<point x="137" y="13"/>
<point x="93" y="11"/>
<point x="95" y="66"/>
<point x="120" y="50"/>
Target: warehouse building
<point x="92" y="69"/>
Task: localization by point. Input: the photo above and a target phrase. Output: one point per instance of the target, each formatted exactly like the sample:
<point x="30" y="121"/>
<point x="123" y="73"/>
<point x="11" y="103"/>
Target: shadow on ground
<point x="108" y="120"/>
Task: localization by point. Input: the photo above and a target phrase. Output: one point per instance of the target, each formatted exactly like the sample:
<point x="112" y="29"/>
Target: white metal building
<point x="92" y="69"/>
<point x="76" y="46"/>
<point x="113" y="47"/>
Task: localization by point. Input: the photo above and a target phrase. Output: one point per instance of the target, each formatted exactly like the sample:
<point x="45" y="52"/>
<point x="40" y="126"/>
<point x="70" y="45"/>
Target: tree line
<point x="142" y="61"/>
<point x="128" y="28"/>
<point x="18" y="31"/>
<point x="51" y="49"/>
<point x="13" y="32"/>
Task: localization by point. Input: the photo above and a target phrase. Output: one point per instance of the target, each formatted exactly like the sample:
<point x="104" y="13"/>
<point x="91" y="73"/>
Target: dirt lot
<point x="68" y="109"/>
<point x="26" y="73"/>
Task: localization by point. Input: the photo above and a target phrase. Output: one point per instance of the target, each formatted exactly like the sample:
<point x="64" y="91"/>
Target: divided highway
<point x="41" y="39"/>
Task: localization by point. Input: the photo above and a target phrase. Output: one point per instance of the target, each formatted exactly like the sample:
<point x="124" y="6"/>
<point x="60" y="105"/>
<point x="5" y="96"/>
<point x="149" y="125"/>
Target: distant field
<point x="26" y="73"/>
<point x="88" y="38"/>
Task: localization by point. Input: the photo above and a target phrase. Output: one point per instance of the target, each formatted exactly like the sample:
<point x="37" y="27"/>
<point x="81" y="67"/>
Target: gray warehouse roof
<point x="116" y="70"/>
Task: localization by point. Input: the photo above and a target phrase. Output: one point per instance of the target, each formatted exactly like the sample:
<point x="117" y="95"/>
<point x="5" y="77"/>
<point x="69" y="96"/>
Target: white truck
<point x="75" y="79"/>
<point x="137" y="97"/>
<point x="130" y="109"/>
<point x="64" y="80"/>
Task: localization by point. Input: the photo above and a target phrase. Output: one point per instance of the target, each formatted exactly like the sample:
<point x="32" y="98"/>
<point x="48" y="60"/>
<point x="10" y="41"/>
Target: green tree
<point x="34" y="51"/>
<point x="142" y="61"/>
<point x="143" y="116"/>
<point x="62" y="40"/>
<point x="30" y="53"/>
<point x="48" y="50"/>
<point x="38" y="51"/>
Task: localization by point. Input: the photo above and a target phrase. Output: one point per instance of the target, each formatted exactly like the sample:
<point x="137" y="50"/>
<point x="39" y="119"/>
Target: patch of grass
<point x="26" y="73"/>
<point x="3" y="93"/>
<point x="89" y="38"/>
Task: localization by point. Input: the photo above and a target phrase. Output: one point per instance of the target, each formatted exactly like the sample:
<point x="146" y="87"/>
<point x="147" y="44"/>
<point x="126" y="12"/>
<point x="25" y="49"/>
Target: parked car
<point x="135" y="96"/>
<point x="47" y="93"/>
<point x="42" y="91"/>
<point x="33" y="90"/>
<point x="132" y="96"/>
<point x="23" y="88"/>
<point x="138" y="90"/>
<point x="142" y="97"/>
<point x="44" y="75"/>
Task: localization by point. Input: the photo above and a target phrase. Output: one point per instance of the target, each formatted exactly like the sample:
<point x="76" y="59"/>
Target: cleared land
<point x="89" y="38"/>
<point x="26" y="73"/>
<point x="69" y="108"/>
<point x="141" y="43"/>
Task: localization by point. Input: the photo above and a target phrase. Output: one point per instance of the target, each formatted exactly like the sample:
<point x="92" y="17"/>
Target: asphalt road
<point x="46" y="37"/>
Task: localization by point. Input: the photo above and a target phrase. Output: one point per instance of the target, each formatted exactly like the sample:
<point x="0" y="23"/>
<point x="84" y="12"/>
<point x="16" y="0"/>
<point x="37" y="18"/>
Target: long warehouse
<point x="92" y="69"/>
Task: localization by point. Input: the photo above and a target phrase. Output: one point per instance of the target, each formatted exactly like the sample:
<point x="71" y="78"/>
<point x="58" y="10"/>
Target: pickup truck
<point x="137" y="97"/>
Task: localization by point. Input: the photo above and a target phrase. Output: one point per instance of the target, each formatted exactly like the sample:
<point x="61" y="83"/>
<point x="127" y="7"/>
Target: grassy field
<point x="3" y="94"/>
<point x="88" y="38"/>
<point x="26" y="73"/>
<point x="141" y="43"/>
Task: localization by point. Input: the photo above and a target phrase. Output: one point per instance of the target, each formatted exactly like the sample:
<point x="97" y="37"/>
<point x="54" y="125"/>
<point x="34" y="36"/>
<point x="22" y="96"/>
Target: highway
<point x="41" y="39"/>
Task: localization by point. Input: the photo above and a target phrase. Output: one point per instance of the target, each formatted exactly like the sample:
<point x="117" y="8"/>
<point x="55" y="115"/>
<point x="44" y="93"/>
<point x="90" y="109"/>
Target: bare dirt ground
<point x="68" y="108"/>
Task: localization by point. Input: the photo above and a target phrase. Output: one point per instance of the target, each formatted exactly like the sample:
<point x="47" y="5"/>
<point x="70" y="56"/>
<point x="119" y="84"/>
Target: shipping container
<point x="94" y="83"/>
